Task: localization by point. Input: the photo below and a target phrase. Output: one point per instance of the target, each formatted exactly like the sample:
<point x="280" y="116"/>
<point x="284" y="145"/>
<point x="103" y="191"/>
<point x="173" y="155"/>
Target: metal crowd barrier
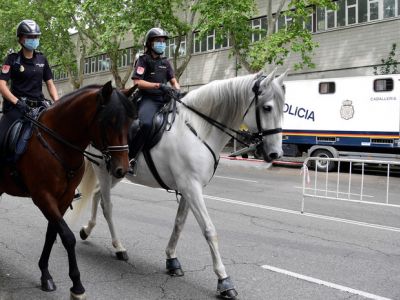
<point x="314" y="191"/>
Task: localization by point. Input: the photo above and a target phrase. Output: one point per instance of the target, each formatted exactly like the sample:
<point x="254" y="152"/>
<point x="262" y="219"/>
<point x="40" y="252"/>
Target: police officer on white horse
<point x="151" y="74"/>
<point x="26" y="70"/>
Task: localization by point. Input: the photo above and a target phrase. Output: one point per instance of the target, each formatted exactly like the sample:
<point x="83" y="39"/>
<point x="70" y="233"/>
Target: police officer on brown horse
<point x="26" y="70"/>
<point x="152" y="73"/>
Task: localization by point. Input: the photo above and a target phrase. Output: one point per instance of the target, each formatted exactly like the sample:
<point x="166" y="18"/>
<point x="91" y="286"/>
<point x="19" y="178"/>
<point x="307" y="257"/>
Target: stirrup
<point x="77" y="196"/>
<point x="133" y="167"/>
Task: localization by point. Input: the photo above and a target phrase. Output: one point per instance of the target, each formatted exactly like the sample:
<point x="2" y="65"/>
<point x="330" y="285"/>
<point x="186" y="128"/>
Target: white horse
<point x="186" y="161"/>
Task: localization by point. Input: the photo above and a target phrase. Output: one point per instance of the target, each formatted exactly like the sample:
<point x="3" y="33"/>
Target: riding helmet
<point x="28" y="27"/>
<point x="154" y="33"/>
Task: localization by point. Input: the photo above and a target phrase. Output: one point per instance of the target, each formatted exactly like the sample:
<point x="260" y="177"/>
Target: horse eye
<point x="267" y="108"/>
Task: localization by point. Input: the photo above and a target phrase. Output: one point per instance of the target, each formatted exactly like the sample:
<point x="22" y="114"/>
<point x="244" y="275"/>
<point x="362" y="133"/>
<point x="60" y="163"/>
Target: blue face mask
<point x="159" y="47"/>
<point x="31" y="44"/>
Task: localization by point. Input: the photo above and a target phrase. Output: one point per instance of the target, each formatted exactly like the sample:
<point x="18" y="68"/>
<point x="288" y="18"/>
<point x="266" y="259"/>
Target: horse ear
<point x="106" y="91"/>
<point x="282" y="77"/>
<point x="259" y="74"/>
<point x="269" y="78"/>
<point x="129" y="92"/>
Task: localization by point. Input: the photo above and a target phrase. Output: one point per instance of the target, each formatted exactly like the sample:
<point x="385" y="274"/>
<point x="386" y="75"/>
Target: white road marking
<point x="232" y="178"/>
<point x="325" y="283"/>
<point x="288" y="211"/>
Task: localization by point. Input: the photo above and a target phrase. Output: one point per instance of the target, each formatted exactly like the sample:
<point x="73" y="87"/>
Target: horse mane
<point x="115" y="113"/>
<point x="222" y="100"/>
<point x="79" y="91"/>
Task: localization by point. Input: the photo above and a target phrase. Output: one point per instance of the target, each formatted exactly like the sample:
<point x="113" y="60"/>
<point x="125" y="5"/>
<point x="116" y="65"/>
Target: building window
<point x="362" y="11"/>
<point x="210" y="41"/>
<point x="351" y="9"/>
<point x="326" y="87"/>
<point x="389" y="8"/>
<point x="256" y="25"/>
<point x="169" y="50"/>
<point x="330" y="19"/>
<point x="308" y="23"/>
<point x="223" y="44"/>
<point x="383" y="85"/>
<point x="87" y="71"/>
<point x="171" y="47"/>
<point x="93" y="64"/>
<point x="320" y="19"/>
<point x="283" y="22"/>
<point x="103" y="63"/>
<point x="373" y="10"/>
<point x="351" y="12"/>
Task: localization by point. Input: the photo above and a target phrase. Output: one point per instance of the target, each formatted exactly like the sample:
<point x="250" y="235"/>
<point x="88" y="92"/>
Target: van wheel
<point x="323" y="166"/>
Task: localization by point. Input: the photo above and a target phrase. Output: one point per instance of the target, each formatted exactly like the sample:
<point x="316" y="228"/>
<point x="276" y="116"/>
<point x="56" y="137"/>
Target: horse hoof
<point x="229" y="294"/>
<point x="122" y="255"/>
<point x="48" y="285"/>
<point x="78" y="296"/>
<point x="83" y="234"/>
<point x="174" y="267"/>
<point x="226" y="289"/>
<point x="176" y="273"/>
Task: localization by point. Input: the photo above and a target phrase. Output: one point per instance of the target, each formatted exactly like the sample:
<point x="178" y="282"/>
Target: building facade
<point x="352" y="40"/>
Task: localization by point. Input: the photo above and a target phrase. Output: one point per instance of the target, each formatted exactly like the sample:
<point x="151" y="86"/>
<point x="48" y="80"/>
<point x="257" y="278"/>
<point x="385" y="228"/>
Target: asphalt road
<point x="270" y="250"/>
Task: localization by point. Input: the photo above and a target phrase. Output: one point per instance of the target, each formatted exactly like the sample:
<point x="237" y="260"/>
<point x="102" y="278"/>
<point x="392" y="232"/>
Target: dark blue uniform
<point x="26" y="77"/>
<point x="150" y="69"/>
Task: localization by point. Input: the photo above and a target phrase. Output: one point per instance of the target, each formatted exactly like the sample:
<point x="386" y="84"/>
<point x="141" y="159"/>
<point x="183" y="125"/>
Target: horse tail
<point x="87" y="187"/>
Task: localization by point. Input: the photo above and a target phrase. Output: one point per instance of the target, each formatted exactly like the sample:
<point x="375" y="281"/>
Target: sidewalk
<point x="283" y="161"/>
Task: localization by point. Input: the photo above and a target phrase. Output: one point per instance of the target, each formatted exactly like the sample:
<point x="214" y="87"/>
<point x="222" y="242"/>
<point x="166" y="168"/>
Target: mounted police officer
<point x="152" y="73"/>
<point x="26" y="70"/>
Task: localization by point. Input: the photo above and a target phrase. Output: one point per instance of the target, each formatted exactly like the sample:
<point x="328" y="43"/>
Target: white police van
<point x="336" y="117"/>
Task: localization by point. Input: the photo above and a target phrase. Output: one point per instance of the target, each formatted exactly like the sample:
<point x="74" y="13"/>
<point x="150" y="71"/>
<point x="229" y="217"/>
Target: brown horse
<point x="53" y="164"/>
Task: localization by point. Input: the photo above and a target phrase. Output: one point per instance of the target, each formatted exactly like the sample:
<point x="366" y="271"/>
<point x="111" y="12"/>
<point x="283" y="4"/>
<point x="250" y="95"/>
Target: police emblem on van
<point x="347" y="110"/>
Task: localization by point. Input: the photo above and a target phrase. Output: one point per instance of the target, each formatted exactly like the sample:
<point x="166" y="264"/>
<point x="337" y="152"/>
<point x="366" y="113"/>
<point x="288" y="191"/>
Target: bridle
<point x="255" y="137"/>
<point x="106" y="150"/>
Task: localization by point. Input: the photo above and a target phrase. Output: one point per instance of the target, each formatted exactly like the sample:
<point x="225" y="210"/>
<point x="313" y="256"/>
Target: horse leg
<point x="195" y="198"/>
<point x="69" y="241"/>
<point x="47" y="282"/>
<point x="87" y="230"/>
<point x="173" y="265"/>
<point x="106" y="205"/>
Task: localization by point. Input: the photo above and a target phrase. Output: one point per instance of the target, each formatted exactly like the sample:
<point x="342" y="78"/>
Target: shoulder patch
<point x="140" y="70"/>
<point x="5" y="69"/>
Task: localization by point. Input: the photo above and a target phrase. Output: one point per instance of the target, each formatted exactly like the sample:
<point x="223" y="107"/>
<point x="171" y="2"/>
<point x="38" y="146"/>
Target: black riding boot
<point x="135" y="147"/>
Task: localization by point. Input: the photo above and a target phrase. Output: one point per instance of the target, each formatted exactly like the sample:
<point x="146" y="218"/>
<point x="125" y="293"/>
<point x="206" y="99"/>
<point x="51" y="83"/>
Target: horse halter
<point x="257" y="136"/>
<point x="106" y="150"/>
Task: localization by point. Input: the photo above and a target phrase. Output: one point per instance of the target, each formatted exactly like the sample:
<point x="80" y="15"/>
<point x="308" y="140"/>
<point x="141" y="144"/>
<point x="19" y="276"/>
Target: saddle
<point x="17" y="137"/>
<point x="162" y="121"/>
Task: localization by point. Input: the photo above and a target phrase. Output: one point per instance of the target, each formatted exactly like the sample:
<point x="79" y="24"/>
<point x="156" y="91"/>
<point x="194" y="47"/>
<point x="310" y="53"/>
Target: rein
<point x="90" y="156"/>
<point x="254" y="137"/>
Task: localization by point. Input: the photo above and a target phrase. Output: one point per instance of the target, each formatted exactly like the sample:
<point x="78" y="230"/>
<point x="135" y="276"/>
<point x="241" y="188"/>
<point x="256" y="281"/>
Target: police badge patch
<point x="5" y="69"/>
<point x="347" y="110"/>
<point x="140" y="70"/>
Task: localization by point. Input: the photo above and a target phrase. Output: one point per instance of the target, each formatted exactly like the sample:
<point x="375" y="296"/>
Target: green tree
<point x="390" y="64"/>
<point x="106" y="24"/>
<point x="275" y="45"/>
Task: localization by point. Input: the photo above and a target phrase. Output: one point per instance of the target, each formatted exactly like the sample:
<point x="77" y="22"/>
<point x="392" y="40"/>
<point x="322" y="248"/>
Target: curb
<point x="275" y="162"/>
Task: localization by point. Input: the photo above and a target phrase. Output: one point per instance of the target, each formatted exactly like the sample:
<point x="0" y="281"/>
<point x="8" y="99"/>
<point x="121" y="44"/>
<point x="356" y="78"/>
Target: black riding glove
<point x="165" y="88"/>
<point x="22" y="106"/>
<point x="178" y="94"/>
